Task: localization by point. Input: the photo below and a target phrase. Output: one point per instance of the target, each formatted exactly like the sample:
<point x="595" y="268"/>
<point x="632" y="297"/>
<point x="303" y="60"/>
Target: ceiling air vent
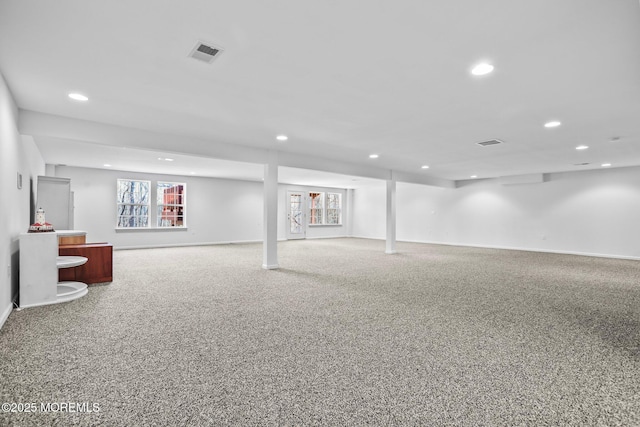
<point x="206" y="52"/>
<point x="490" y="142"/>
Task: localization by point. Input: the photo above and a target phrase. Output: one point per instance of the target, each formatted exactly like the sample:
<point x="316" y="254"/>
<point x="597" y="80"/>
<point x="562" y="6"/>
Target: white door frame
<point x="299" y="231"/>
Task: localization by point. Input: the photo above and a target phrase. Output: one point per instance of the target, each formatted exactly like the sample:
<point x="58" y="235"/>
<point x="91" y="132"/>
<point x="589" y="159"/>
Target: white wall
<point x="218" y="210"/>
<point x="590" y="212"/>
<point x="369" y="211"/>
<point x="17" y="155"/>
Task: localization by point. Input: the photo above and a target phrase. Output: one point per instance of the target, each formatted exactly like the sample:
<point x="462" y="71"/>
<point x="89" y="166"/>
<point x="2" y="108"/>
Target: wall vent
<point x="206" y="52"/>
<point x="490" y="142"/>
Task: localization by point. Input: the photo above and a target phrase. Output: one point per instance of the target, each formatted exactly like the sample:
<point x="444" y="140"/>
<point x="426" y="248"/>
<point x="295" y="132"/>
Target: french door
<point x="296" y="215"/>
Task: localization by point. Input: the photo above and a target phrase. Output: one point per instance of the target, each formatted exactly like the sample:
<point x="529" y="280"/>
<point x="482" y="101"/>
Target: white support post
<point x="348" y="214"/>
<point x="391" y="215"/>
<point x="270" y="243"/>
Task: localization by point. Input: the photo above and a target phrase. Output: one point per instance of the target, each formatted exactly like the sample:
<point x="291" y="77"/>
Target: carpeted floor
<point x="342" y="334"/>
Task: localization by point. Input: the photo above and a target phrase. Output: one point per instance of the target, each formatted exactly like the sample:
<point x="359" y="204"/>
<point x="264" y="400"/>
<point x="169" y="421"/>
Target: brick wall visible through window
<point x="325" y="209"/>
<point x="136" y="203"/>
<point x="316" y="208"/>
<point x="171" y="198"/>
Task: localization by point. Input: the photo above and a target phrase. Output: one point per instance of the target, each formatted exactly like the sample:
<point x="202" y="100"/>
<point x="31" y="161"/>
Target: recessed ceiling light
<point x="582" y="147"/>
<point x="192" y="173"/>
<point x="166" y="159"/>
<point x="373" y="156"/>
<point x="482" y="69"/>
<point x="78" y="97"/>
<point x="552" y="124"/>
<point x="606" y="165"/>
<point x="282" y="137"/>
<point x="474" y="176"/>
<point x="107" y="165"/>
<point x="425" y="167"/>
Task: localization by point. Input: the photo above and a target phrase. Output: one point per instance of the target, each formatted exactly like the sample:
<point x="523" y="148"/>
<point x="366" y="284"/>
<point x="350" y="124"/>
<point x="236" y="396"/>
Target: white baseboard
<point x="230" y="242"/>
<point x="180" y="245"/>
<point x="368" y="238"/>
<point x="512" y="248"/>
<point x="509" y="248"/>
<point x="5" y="314"/>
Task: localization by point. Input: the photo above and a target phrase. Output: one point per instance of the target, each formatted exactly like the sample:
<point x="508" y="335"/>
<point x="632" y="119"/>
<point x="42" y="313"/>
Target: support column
<point x="270" y="234"/>
<point x="349" y="212"/>
<point x="391" y="215"/>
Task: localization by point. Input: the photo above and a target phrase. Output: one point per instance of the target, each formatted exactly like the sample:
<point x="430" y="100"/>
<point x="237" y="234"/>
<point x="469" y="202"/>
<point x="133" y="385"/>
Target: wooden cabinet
<point x="98" y="269"/>
<point x="71" y="237"/>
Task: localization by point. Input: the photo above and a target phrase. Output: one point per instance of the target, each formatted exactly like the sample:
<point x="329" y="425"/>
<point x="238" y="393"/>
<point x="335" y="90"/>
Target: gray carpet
<point x="342" y="334"/>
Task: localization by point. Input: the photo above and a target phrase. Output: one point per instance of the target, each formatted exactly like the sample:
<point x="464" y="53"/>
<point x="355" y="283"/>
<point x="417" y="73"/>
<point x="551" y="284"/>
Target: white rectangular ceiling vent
<point x="490" y="142"/>
<point x="206" y="52"/>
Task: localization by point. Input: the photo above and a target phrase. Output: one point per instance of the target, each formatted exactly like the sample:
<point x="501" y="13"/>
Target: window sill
<point x="126" y="229"/>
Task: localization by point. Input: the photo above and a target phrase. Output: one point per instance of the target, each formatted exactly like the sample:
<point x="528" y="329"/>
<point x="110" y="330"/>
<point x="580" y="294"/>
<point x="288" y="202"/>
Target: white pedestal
<point x="39" y="263"/>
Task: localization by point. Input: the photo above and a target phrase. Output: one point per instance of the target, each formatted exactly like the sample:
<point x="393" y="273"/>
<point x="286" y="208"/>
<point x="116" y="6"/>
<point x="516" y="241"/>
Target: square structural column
<point x="391" y="215"/>
<point x="270" y="236"/>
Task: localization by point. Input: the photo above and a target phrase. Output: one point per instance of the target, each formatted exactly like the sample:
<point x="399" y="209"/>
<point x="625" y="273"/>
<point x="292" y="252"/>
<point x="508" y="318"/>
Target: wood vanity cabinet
<point x="99" y="267"/>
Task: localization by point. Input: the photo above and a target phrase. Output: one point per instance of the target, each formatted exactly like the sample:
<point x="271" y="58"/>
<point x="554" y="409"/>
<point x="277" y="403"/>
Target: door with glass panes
<point x="296" y="215"/>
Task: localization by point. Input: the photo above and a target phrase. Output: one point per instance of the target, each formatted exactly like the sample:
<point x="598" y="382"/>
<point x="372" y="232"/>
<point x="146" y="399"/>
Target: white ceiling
<point x="342" y="79"/>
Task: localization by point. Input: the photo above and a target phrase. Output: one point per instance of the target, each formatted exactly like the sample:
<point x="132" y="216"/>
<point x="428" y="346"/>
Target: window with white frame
<point x="316" y="208"/>
<point x="133" y="203"/>
<point x="171" y="198"/>
<point x="334" y="208"/>
<point x="325" y="209"/>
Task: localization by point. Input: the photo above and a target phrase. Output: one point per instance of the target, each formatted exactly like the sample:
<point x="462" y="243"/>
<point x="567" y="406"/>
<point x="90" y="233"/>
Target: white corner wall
<point x="589" y="213"/>
<point x="17" y="155"/>
<point x="218" y="210"/>
<point x="369" y="211"/>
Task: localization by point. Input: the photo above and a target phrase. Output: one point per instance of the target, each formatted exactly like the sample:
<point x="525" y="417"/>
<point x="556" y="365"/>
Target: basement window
<point x="133" y="203"/>
<point x="171" y="197"/>
<point x="316" y="208"/>
<point x="325" y="209"/>
<point x="334" y="208"/>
